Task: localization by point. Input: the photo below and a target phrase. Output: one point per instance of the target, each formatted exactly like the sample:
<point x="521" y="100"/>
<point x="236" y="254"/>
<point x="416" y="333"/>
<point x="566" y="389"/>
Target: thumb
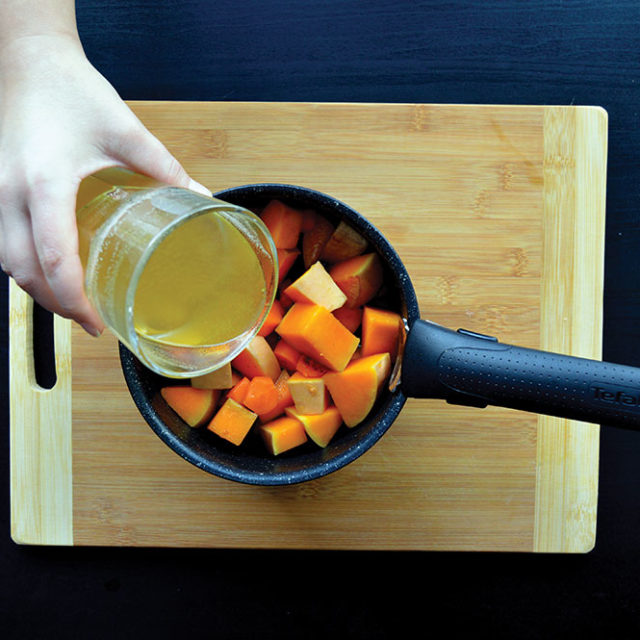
<point x="144" y="153"/>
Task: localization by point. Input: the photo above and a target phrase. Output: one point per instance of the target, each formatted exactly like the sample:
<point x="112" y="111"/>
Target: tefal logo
<point x="628" y="398"/>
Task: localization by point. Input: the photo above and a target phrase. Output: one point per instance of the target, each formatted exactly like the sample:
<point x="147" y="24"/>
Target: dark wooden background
<point x="508" y="52"/>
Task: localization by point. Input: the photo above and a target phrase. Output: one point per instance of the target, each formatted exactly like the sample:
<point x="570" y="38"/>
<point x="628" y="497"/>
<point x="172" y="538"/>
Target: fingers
<point x="55" y="238"/>
<point x="143" y="152"/>
<point x="39" y="251"/>
<point x="20" y="261"/>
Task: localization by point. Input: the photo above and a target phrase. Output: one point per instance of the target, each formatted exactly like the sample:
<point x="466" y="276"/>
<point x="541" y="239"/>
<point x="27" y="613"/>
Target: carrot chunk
<point x="262" y="395"/>
<point x="284" y="399"/>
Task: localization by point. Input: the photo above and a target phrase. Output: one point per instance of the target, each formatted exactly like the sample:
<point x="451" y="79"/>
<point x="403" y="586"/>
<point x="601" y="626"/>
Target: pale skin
<point x="60" y="121"/>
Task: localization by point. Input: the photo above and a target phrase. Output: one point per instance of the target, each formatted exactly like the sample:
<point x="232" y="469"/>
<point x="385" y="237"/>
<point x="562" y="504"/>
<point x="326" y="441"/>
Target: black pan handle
<point x="472" y="369"/>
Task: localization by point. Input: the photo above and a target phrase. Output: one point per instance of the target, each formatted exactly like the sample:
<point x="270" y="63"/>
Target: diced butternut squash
<point x="286" y="260"/>
<point x="287" y="356"/>
<point x="360" y="278"/>
<point x="284" y="224"/>
<point x="309" y="368"/>
<point x="284" y="399"/>
<point x="232" y="421"/>
<point x="380" y="332"/>
<point x="309" y="394"/>
<point x="315" y="332"/>
<point x="257" y="359"/>
<point x="272" y="320"/>
<point x="314" y="240"/>
<point x="282" y="434"/>
<point x="194" y="406"/>
<point x="262" y="395"/>
<point x="219" y="379"/>
<point x="350" y="317"/>
<point x="355" y="390"/>
<point x="320" y="427"/>
<point x="344" y="243"/>
<point x="316" y="286"/>
<point x="239" y="390"/>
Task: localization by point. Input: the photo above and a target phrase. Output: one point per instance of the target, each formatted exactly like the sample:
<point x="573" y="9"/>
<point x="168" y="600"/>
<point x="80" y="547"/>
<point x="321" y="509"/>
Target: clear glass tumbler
<point x="183" y="280"/>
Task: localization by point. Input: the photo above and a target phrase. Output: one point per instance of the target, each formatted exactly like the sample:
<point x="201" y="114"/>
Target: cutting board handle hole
<point x="44" y="354"/>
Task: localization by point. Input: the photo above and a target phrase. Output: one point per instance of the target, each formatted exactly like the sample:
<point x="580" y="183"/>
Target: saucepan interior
<point x="250" y="462"/>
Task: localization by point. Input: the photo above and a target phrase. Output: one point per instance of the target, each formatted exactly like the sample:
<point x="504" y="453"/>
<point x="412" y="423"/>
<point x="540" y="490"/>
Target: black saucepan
<point x="461" y="367"/>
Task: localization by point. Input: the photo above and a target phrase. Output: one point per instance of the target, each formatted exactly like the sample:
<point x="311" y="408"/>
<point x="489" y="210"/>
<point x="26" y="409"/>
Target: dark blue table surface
<point x="501" y="52"/>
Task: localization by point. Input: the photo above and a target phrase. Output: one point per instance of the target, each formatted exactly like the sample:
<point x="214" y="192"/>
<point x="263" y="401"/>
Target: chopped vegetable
<point x="355" y="390"/>
<point x="315" y="332"/>
<point x="282" y="434"/>
<point x="380" y="332"/>
<point x="194" y="406"/>
<point x="262" y="395"/>
<point x="232" y="421"/>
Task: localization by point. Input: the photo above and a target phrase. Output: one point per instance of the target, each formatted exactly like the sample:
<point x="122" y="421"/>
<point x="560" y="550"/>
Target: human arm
<point x="60" y="120"/>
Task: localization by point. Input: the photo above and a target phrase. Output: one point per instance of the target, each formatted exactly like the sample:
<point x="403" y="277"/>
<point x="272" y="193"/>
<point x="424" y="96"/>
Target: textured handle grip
<point x="466" y="368"/>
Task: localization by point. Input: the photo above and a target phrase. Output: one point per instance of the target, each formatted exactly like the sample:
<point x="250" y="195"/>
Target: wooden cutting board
<point x="498" y="213"/>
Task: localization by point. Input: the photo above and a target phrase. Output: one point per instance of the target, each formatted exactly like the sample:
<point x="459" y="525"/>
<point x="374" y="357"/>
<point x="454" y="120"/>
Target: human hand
<point x="60" y="121"/>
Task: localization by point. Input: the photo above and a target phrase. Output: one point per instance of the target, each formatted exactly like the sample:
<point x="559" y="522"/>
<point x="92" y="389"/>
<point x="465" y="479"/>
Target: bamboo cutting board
<point x="498" y="213"/>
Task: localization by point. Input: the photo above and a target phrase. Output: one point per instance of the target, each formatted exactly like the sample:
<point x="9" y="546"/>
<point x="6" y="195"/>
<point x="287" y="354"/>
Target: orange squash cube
<point x="284" y="224"/>
<point x="194" y="406"/>
<point x="355" y="390"/>
<point x="360" y="278"/>
<point x="232" y="421"/>
<point x="320" y="427"/>
<point x="316" y="286"/>
<point x="282" y="434"/>
<point x="314" y="331"/>
<point x="309" y="394"/>
<point x="380" y="332"/>
<point x="257" y="359"/>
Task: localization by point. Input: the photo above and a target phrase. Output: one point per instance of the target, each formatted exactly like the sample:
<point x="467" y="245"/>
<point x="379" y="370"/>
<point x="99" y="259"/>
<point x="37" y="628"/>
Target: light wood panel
<point x="497" y="213"/>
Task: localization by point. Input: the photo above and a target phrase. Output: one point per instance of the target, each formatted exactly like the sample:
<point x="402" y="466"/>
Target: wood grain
<point x="40" y="433"/>
<point x="571" y="311"/>
<point x="464" y="193"/>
